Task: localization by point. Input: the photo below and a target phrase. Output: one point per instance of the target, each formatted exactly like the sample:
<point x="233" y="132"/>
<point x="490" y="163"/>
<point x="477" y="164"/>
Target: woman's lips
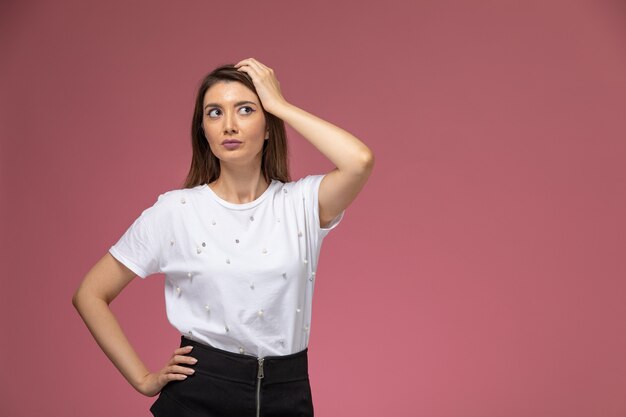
<point x="231" y="144"/>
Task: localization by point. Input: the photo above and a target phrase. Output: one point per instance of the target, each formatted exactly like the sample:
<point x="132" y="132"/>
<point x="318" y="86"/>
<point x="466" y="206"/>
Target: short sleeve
<point x="138" y="248"/>
<point x="310" y="190"/>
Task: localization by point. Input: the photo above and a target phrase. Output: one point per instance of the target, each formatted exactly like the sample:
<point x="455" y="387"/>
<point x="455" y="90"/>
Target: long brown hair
<point x="205" y="166"/>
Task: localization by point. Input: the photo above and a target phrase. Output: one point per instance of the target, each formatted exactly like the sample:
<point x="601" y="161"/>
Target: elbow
<point x="86" y="297"/>
<point x="366" y="162"/>
<point x="78" y="299"/>
<point x="75" y="299"/>
<point x="361" y="165"/>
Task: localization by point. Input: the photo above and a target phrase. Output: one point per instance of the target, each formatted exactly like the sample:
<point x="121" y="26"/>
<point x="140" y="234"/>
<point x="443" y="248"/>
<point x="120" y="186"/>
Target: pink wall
<point x="481" y="271"/>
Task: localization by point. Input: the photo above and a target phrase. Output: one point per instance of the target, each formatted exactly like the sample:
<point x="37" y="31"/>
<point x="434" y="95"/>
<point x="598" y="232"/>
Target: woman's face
<point x="233" y="123"/>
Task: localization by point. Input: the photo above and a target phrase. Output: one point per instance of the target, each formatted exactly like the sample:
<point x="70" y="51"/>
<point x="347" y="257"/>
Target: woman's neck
<point x="239" y="187"/>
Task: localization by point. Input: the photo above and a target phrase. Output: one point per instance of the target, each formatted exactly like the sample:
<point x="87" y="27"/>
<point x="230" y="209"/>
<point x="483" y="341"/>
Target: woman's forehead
<point x="225" y="92"/>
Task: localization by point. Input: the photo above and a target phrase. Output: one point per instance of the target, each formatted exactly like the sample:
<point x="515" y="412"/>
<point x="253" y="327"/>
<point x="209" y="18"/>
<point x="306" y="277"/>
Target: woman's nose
<point x="230" y="122"/>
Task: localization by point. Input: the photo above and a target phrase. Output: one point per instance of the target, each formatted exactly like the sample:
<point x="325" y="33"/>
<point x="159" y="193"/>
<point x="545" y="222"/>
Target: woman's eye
<point x="213" y="113"/>
<point x="246" y="110"/>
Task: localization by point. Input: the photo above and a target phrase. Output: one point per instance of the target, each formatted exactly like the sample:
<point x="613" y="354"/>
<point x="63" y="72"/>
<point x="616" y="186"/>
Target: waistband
<point x="245" y="368"/>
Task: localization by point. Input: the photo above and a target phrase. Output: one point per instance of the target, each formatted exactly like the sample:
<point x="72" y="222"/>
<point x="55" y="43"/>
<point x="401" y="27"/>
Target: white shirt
<point x="239" y="277"/>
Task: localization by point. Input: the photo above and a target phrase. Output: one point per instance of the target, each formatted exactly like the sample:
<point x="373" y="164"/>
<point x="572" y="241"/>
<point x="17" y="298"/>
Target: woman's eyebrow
<point x="239" y="103"/>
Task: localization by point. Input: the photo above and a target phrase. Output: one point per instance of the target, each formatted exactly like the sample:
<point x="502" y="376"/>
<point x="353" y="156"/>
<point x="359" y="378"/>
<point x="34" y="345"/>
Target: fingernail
<point x="189" y="347"/>
<point x="194" y="360"/>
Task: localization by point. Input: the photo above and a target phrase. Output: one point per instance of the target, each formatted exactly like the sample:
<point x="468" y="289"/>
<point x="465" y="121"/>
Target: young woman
<point x="239" y="247"/>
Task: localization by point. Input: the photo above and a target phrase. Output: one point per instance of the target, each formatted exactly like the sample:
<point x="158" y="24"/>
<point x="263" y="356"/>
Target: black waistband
<point x="244" y="368"/>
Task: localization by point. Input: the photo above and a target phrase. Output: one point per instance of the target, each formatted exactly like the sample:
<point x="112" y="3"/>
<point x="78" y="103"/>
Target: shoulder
<point x="305" y="184"/>
<point x="177" y="195"/>
<point x="172" y="200"/>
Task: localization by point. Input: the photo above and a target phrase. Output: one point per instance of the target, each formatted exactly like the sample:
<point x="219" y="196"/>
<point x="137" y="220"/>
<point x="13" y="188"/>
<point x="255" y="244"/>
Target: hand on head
<point x="265" y="82"/>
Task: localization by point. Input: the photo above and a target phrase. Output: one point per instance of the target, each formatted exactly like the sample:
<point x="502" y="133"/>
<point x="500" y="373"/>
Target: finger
<point x="253" y="73"/>
<point x="254" y="64"/>
<point x="183" y="359"/>
<point x="243" y="62"/>
<point x="183" y="350"/>
<point x="256" y="73"/>
<point x="177" y="369"/>
<point x="247" y="61"/>
<point x="259" y="66"/>
<point x="249" y="68"/>
<point x="244" y="68"/>
<point x="173" y="377"/>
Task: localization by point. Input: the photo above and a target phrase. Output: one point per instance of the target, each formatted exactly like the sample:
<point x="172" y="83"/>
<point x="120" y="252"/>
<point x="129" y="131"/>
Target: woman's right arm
<point x="106" y="279"/>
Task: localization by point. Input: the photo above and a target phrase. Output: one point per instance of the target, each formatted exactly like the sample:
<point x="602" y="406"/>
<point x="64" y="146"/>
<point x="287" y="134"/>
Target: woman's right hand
<point x="154" y="382"/>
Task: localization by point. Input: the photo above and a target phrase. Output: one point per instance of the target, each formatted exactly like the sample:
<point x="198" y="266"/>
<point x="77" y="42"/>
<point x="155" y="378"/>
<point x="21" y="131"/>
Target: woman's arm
<point x="353" y="160"/>
<point x="101" y="285"/>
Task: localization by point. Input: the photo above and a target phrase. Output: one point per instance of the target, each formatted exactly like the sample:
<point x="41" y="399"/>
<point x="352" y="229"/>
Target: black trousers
<point x="227" y="384"/>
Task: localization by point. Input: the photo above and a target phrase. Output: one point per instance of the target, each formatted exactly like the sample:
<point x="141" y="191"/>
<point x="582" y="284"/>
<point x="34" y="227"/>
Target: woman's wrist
<point x="279" y="108"/>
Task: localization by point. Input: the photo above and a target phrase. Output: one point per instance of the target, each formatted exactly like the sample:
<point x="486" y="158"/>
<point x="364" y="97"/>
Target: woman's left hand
<point x="265" y="82"/>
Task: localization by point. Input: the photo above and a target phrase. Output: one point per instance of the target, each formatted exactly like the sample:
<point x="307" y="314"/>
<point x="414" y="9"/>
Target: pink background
<point x="480" y="272"/>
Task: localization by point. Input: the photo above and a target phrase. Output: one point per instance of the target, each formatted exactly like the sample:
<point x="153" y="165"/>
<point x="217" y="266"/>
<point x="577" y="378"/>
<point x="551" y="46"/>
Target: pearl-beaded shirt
<point x="238" y="277"/>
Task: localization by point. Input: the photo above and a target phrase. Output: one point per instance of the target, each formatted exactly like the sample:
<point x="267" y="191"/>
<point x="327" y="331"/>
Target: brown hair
<point x="205" y="166"/>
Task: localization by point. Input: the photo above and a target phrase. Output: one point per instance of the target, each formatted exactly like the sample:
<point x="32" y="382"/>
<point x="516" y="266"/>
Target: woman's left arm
<point x="353" y="160"/>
